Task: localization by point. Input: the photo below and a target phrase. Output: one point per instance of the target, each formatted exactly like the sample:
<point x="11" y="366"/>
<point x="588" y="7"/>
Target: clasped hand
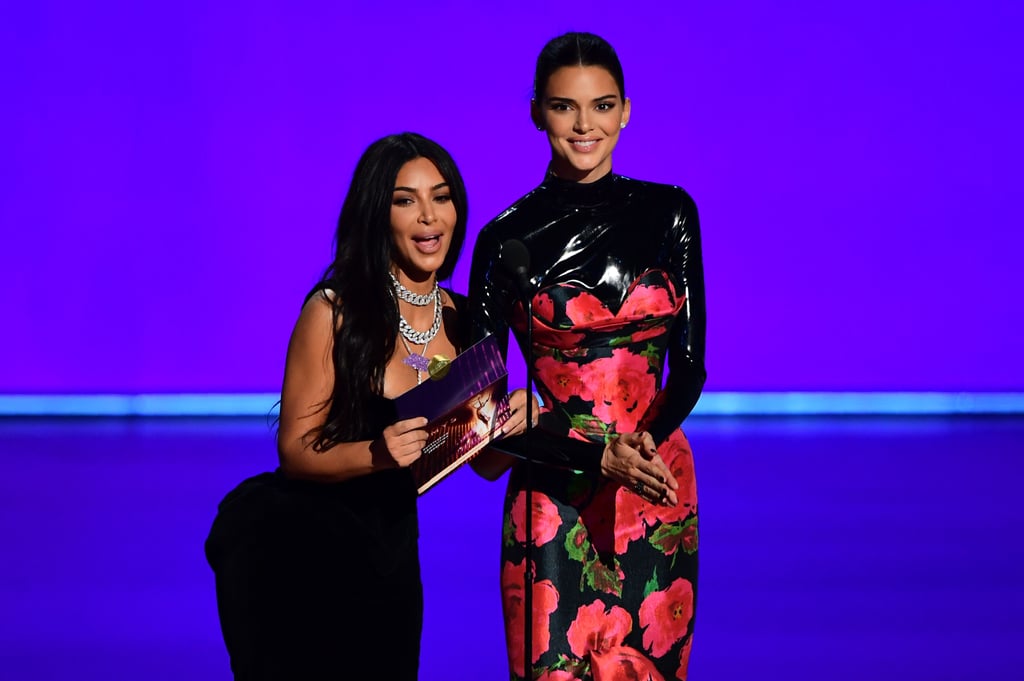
<point x="631" y="460"/>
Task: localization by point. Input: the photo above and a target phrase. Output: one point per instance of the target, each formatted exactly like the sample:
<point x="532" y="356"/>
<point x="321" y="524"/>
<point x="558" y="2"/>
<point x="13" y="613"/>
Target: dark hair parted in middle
<point x="364" y="298"/>
<point x="576" y="49"/>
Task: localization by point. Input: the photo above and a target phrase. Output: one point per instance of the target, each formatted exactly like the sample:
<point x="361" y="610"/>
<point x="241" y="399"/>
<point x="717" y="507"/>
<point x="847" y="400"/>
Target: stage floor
<point x="831" y="549"/>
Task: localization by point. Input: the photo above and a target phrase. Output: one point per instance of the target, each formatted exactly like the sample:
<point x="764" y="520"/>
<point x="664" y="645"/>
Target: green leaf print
<point x="667" y="538"/>
<point x="508" y="531"/>
<point x="579" y="669"/>
<point x="673" y="537"/>
<point x="577" y="543"/>
<point x="587" y="424"/>
<point x="620" y="341"/>
<point x="601" y="578"/>
<point x="692" y="548"/>
<point x="652" y="584"/>
<point x="652" y="355"/>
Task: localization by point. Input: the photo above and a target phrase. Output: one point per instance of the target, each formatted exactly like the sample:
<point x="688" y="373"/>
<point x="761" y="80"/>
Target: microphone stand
<point x="514" y="261"/>
<point x="528" y="483"/>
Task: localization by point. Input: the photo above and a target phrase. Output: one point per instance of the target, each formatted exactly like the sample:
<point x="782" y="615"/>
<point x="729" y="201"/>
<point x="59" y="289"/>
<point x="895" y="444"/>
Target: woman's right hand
<point x="631" y="460"/>
<point x="516" y="424"/>
<point x="400" y="444"/>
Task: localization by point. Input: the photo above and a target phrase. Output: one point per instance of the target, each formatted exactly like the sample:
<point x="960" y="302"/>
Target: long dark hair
<point x="363" y="296"/>
<point x="576" y="49"/>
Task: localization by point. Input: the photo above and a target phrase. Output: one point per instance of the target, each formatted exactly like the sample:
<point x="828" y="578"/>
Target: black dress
<point x="618" y="285"/>
<point x="320" y="580"/>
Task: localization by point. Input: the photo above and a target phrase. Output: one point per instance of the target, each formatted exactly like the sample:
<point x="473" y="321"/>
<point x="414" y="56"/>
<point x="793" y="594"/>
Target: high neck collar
<point x="580" y="193"/>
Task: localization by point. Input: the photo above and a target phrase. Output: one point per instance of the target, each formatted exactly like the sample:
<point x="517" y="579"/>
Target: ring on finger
<point x="639" y="487"/>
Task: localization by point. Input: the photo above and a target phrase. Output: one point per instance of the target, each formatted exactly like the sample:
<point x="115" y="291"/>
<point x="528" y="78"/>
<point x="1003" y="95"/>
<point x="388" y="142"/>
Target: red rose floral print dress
<point x="614" y="587"/>
<point x="618" y="296"/>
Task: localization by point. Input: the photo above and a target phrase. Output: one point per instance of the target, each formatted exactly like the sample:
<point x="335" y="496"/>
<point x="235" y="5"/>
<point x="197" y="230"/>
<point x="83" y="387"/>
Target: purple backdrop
<point x="170" y="176"/>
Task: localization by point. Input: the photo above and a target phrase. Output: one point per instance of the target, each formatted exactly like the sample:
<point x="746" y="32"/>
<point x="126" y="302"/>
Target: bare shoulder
<point x="315" y="324"/>
<point x="320" y="307"/>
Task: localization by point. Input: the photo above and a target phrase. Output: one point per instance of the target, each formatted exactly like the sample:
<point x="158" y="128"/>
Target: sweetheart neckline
<point x="665" y="278"/>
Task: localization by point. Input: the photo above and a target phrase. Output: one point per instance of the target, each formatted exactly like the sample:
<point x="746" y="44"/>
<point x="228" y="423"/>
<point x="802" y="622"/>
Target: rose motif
<point x="649" y="332"/>
<point x="586" y="309"/>
<point x="631" y="519"/>
<point x="562" y="379"/>
<point x="623" y="664"/>
<point x="665" y="616"/>
<point x="597" y="629"/>
<point x="545" y="521"/>
<point x="647" y="301"/>
<point x="622" y="386"/>
<point x="684" y="661"/>
<point x="675" y="451"/>
<point x="545" y="602"/>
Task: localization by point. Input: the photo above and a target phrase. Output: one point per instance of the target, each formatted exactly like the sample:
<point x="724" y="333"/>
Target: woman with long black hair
<point x="317" y="564"/>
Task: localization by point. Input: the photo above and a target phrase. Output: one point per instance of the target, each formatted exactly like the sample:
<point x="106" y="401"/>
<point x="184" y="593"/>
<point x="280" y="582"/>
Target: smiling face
<point x="422" y="221"/>
<point x="582" y="111"/>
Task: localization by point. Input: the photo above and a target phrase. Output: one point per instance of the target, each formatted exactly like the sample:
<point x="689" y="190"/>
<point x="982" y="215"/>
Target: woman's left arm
<point x="687" y="374"/>
<point x="487" y="314"/>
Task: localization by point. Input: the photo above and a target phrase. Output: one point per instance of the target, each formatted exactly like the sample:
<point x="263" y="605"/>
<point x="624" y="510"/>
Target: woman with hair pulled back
<point x="317" y="564"/>
<point x="617" y="286"/>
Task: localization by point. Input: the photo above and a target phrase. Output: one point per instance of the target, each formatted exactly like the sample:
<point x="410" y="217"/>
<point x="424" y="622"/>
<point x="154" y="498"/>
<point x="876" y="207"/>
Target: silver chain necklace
<point x="417" y="299"/>
<point x="422" y="337"/>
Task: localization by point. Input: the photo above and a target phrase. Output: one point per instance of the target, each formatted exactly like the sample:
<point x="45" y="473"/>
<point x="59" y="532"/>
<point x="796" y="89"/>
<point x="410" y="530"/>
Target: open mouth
<point x="427" y="243"/>
<point x="583" y="145"/>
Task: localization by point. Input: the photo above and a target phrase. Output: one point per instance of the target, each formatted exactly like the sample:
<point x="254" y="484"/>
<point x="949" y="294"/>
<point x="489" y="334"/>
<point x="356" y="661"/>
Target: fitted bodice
<point x="597" y="368"/>
<point x="616" y="266"/>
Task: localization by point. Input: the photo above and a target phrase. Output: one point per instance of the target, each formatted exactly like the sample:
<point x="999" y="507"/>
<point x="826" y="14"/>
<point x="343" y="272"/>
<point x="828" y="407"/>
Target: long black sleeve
<point x="686" y="345"/>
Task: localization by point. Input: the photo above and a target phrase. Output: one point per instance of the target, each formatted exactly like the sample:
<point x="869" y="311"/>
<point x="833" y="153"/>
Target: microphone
<point x="514" y="262"/>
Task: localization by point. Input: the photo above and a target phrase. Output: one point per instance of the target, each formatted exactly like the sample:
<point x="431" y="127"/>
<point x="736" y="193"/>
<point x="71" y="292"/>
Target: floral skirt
<point x="615" y="577"/>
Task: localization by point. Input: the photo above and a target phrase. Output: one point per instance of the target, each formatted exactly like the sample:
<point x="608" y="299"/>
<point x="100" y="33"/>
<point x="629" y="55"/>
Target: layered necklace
<point x="418" y="362"/>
